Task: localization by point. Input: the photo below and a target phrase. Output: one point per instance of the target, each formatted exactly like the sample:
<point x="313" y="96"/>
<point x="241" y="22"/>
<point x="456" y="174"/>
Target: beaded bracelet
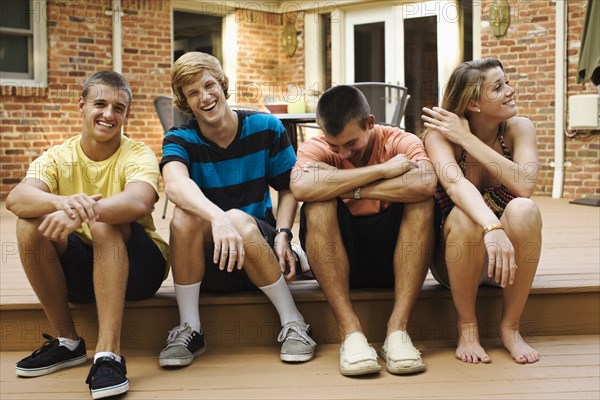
<point x="491" y="228"/>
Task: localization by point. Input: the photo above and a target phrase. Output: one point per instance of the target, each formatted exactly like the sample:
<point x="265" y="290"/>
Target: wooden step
<point x="248" y="318"/>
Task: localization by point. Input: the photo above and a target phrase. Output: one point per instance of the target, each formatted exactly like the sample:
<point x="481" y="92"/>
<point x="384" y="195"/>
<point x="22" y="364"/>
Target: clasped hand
<point x="80" y="206"/>
<point x="397" y="165"/>
<point x="57" y="226"/>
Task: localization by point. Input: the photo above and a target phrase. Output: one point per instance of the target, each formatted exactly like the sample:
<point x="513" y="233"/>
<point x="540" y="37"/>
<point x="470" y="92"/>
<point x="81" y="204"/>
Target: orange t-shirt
<point x="389" y="142"/>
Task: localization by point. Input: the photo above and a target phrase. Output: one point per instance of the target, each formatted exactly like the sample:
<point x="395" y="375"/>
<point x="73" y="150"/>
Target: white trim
<point x="230" y="51"/>
<point x="40" y="50"/>
<point x="560" y="59"/>
<point x="338" y="74"/>
<point x="314" y="74"/>
<point x="476" y="30"/>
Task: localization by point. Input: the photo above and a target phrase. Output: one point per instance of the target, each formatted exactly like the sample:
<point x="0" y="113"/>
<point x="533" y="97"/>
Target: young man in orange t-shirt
<point x="367" y="221"/>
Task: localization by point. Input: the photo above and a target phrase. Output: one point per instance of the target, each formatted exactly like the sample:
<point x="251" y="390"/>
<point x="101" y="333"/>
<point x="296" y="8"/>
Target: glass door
<point x="414" y="45"/>
<point x="370" y="51"/>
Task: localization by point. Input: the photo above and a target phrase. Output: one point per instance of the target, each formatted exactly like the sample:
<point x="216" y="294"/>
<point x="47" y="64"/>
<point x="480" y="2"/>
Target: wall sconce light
<point x="499" y="17"/>
<point x="288" y="38"/>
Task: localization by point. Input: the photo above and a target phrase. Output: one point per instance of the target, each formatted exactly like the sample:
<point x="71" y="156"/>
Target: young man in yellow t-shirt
<point x="367" y="221"/>
<point x="86" y="234"/>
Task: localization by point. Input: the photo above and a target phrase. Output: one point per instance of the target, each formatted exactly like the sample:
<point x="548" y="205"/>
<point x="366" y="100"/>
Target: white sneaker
<point x="302" y="258"/>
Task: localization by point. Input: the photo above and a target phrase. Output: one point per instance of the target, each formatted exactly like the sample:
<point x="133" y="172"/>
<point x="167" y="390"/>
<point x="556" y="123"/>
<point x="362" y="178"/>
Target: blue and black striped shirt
<point x="240" y="175"/>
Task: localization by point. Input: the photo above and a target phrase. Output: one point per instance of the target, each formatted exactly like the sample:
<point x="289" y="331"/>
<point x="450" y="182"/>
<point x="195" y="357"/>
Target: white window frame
<point x="40" y="49"/>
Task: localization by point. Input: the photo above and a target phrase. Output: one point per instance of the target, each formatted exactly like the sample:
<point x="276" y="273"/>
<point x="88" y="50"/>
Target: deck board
<point x="568" y="368"/>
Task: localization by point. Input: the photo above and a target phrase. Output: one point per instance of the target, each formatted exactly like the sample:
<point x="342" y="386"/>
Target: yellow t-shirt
<point x="389" y="142"/>
<point x="67" y="171"/>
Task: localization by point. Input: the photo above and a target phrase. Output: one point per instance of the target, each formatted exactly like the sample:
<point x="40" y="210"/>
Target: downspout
<point x="116" y="14"/>
<point x="560" y="78"/>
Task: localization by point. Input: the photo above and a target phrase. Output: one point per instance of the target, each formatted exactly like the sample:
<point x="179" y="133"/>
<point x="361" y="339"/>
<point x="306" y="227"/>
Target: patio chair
<point x="169" y="116"/>
<point x="379" y="95"/>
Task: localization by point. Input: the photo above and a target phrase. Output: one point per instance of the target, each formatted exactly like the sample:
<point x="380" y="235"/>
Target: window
<point x="23" y="48"/>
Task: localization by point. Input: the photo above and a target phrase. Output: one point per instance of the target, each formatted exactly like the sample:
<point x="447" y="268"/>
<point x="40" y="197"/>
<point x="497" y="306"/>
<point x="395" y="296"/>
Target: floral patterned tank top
<point x="496" y="197"/>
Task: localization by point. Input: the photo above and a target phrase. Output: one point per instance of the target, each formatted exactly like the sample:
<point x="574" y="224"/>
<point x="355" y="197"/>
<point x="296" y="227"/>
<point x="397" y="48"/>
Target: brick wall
<point x="527" y="52"/>
<point x="80" y="43"/>
<point x="263" y="68"/>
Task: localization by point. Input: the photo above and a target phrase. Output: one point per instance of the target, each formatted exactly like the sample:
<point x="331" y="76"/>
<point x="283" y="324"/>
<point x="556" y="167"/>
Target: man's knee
<point x="108" y="233"/>
<point x="187" y="224"/>
<point x="319" y="211"/>
<point x="244" y="223"/>
<point x="420" y="213"/>
<point x="27" y="228"/>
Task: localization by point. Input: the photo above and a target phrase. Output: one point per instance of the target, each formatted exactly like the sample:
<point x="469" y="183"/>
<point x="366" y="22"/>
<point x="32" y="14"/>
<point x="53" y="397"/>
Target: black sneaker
<point x="107" y="377"/>
<point x="51" y="357"/>
<point x="183" y="345"/>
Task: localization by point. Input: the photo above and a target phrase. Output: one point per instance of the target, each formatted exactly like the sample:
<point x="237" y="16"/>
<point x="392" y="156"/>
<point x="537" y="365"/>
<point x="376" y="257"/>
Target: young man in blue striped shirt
<point x="217" y="170"/>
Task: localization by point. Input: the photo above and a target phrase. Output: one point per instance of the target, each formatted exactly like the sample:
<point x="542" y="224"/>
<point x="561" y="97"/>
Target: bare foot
<point x="518" y="349"/>
<point x="469" y="349"/>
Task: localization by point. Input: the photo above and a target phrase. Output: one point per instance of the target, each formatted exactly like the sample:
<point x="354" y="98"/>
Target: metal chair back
<point x="379" y="95"/>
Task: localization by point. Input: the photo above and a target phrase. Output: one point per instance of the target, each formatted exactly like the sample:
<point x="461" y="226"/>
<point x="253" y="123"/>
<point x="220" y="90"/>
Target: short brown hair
<point x="339" y="106"/>
<point x="108" y="78"/>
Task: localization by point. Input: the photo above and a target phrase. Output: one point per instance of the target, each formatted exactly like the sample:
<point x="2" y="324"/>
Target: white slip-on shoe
<point x="400" y="355"/>
<point x="357" y="357"/>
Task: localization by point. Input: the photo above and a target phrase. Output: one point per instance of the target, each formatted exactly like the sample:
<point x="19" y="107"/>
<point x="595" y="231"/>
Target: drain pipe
<point x="560" y="78"/>
<point x="117" y="15"/>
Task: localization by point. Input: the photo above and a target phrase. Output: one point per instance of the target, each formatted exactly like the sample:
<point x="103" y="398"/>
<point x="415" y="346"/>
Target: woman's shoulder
<point x="519" y="123"/>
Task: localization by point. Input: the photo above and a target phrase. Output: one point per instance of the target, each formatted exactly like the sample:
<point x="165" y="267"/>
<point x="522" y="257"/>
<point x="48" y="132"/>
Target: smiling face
<point x="352" y="143"/>
<point x="206" y="98"/>
<point x="497" y="99"/>
<point x="105" y="109"/>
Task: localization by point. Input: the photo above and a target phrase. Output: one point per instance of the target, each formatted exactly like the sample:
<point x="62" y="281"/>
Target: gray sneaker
<point x="298" y="344"/>
<point x="183" y="345"/>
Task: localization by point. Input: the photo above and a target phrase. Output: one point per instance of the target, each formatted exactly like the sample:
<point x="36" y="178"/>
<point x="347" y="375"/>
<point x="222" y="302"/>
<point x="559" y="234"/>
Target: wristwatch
<point x="285" y="230"/>
<point x="357" y="193"/>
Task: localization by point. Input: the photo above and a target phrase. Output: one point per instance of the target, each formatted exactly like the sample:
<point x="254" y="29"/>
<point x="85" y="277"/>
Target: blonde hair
<point x="465" y="85"/>
<point x="188" y="68"/>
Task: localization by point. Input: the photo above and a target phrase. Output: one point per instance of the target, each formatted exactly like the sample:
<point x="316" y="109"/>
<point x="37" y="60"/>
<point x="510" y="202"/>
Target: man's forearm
<point x="319" y="184"/>
<point x="413" y="186"/>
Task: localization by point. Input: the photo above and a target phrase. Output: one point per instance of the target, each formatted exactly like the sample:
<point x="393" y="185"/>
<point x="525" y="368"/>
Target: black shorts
<point x="146" y="267"/>
<point x="369" y="241"/>
<point x="216" y="280"/>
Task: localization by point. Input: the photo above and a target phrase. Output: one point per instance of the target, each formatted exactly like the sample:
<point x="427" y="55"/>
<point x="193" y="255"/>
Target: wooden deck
<point x="569" y="369"/>
<point x="561" y="320"/>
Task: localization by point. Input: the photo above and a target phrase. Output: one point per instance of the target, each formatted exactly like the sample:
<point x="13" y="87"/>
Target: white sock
<point x="280" y="296"/>
<point x="106" y="354"/>
<point x="70" y="344"/>
<point x="187" y="301"/>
